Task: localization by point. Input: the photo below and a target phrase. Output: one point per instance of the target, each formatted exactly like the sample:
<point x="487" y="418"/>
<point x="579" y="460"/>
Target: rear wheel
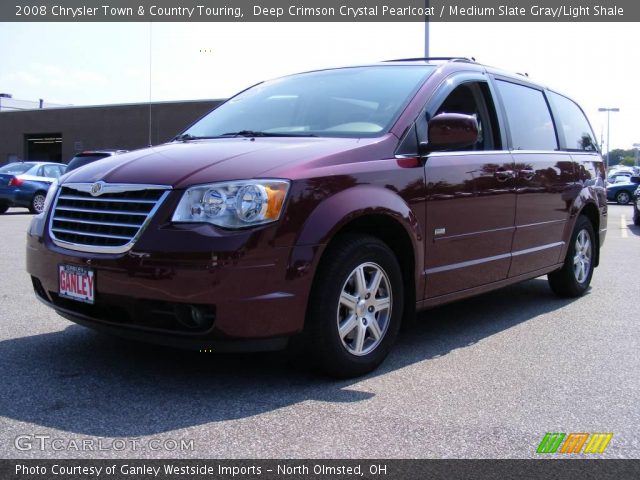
<point x="573" y="279"/>
<point x="37" y="202"/>
<point x="623" y="197"/>
<point x="355" y="307"/>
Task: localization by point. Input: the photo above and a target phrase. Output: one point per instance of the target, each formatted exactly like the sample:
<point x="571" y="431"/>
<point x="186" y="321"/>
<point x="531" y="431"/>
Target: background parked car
<point x="89" y="156"/>
<point x="622" y="192"/>
<point x="619" y="177"/>
<point x="636" y="207"/>
<point x="25" y="184"/>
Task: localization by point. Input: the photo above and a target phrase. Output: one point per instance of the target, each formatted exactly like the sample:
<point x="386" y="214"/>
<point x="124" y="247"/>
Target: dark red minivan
<point x="321" y="208"/>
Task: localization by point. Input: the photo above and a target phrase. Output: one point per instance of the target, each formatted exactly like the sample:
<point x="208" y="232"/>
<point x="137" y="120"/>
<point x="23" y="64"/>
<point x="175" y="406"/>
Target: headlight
<point x="233" y="204"/>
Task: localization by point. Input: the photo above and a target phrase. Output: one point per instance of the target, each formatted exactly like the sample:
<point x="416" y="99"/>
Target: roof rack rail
<point x="450" y="59"/>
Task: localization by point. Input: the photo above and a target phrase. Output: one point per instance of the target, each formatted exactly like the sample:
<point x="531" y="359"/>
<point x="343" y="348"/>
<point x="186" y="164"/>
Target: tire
<point x="573" y="279"/>
<point x="623" y="197"/>
<point x="3" y="208"/>
<point x="636" y="216"/>
<point x="342" y="297"/>
<point x="37" y="202"/>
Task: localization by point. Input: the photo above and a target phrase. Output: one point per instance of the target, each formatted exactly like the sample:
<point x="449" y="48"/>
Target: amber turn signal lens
<point x="276" y="194"/>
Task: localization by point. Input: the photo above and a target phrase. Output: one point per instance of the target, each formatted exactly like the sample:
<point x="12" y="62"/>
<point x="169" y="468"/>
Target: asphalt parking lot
<point x="483" y="378"/>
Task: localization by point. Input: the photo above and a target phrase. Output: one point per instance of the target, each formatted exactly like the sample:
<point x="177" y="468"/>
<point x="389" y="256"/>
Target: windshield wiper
<point x="185" y="137"/>
<point x="252" y="133"/>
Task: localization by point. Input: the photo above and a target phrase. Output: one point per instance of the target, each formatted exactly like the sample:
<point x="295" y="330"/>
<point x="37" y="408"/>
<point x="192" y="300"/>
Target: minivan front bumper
<point x="252" y="296"/>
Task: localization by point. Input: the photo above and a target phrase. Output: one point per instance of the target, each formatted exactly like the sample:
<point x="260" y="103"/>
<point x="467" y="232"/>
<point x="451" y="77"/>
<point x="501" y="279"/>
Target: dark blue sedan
<point x="25" y="184"/>
<point x="622" y="193"/>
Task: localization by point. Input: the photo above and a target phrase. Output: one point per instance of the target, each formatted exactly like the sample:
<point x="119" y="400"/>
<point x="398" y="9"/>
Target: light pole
<point x="608" y="110"/>
<point x="426" y="31"/>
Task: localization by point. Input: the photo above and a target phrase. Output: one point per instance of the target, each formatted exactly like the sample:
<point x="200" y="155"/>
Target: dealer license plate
<point x="76" y="283"/>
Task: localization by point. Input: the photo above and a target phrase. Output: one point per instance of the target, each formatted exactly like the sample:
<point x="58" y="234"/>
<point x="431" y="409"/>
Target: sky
<point x="597" y="64"/>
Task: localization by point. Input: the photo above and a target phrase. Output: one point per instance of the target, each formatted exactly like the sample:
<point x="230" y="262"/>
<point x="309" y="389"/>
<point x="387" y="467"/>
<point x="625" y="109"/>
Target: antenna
<point x="150" y="70"/>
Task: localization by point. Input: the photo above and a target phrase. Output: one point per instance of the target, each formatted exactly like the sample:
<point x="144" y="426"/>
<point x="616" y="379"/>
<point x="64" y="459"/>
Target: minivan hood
<point x="180" y="164"/>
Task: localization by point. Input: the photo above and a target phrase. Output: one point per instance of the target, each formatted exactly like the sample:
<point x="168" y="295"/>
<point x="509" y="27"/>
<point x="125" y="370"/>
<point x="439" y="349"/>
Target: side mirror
<point x="452" y="130"/>
<point x="634" y="179"/>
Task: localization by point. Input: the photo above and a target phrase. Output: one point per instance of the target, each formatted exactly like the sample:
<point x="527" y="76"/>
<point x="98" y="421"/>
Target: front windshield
<point x="16" y="168"/>
<point x="348" y="102"/>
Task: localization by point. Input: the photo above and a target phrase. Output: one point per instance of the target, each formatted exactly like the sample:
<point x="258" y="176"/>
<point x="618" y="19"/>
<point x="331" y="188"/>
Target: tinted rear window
<point x="16" y="168"/>
<point x="90" y="156"/>
<point x="529" y="118"/>
<point x="573" y="124"/>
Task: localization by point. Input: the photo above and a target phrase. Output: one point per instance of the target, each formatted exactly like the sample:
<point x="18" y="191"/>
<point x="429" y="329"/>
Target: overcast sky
<point x="99" y="63"/>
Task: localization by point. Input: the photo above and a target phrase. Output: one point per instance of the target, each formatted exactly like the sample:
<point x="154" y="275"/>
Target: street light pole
<point x="426" y="31"/>
<point x="608" y="110"/>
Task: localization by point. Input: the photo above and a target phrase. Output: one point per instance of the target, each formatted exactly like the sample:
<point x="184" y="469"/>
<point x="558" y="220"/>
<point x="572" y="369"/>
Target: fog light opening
<point x="193" y="317"/>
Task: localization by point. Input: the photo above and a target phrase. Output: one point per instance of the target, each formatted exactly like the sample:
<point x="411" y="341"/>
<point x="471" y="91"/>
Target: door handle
<point x="503" y="175"/>
<point x="527" y="174"/>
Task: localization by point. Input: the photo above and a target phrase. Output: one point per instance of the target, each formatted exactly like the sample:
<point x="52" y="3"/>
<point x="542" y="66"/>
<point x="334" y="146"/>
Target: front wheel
<point x="37" y="202"/>
<point x="573" y="279"/>
<point x="355" y="307"/>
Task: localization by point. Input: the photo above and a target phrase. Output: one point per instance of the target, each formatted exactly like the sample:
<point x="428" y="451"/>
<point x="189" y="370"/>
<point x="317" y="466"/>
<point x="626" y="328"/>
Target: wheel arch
<point x="394" y="235"/>
<point x="374" y="211"/>
<point x="591" y="212"/>
<point x="38" y="191"/>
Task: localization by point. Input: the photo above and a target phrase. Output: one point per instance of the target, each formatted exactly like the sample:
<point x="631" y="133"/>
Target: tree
<point x="617" y="155"/>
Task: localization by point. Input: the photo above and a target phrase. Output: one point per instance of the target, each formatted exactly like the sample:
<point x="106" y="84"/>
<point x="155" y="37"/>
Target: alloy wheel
<point x="38" y="203"/>
<point x="623" y="198"/>
<point x="583" y="256"/>
<point x="364" y="309"/>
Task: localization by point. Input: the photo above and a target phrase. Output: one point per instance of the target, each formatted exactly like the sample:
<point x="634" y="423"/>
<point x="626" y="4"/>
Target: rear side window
<point x="51" y="171"/>
<point x="573" y="124"/>
<point x="529" y="118"/>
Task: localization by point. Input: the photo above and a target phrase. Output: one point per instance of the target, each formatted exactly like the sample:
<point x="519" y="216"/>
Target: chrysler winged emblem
<point x="96" y="188"/>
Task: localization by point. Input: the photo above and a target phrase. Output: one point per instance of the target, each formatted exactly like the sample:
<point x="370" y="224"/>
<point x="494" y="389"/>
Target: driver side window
<point x="473" y="98"/>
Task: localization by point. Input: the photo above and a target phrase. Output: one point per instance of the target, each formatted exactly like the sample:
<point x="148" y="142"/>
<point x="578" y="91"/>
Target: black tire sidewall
<point x="325" y="340"/>
<point x="582" y="224"/>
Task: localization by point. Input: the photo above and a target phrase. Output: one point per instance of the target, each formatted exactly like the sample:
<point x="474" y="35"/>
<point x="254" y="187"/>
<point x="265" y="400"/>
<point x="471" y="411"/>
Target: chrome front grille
<point x="103" y="217"/>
